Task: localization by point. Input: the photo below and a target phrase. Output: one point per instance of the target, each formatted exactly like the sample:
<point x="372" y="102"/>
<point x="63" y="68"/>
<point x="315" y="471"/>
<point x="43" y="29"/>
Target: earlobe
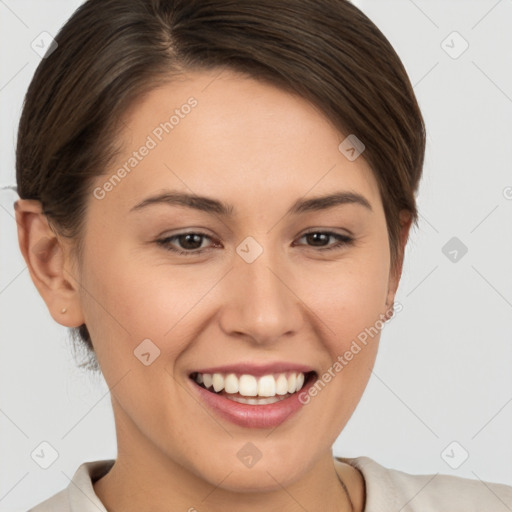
<point x="48" y="263"/>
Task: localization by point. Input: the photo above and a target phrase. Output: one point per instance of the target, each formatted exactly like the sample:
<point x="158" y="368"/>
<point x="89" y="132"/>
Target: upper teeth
<point x="249" y="385"/>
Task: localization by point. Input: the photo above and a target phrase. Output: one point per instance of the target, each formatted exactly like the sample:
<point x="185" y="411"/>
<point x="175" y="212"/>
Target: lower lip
<point x="253" y="416"/>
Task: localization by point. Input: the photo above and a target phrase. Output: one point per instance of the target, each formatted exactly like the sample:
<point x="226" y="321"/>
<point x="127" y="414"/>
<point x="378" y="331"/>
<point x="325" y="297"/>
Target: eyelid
<point x="330" y="231"/>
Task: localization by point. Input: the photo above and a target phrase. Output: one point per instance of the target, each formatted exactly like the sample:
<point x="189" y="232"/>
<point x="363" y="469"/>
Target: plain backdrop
<point x="441" y="389"/>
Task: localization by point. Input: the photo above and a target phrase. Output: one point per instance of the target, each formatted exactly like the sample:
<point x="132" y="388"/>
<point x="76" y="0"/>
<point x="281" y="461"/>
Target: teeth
<point x="267" y="386"/>
<point x="282" y="385"/>
<point x="207" y="380"/>
<point x="300" y="380"/>
<point x="250" y="386"/>
<point x="292" y="383"/>
<point x="230" y="383"/>
<point x="218" y="382"/>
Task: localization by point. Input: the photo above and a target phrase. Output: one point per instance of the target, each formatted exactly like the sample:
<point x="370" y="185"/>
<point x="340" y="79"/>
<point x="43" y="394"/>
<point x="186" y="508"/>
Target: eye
<point x="191" y="243"/>
<point x="319" y="237"/>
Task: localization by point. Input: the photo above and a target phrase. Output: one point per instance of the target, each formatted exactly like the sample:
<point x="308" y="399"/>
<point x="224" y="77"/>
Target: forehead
<point x="225" y="134"/>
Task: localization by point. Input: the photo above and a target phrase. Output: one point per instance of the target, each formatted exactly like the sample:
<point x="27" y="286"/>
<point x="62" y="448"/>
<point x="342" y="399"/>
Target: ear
<point x="48" y="260"/>
<point x="396" y="272"/>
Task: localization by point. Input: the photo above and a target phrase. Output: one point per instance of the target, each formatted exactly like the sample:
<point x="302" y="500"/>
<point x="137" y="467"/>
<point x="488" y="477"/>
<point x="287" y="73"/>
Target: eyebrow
<point x="210" y="205"/>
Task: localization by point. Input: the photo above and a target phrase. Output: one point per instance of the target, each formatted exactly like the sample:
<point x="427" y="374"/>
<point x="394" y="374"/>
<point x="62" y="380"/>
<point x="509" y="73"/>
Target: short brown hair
<point x="110" y="52"/>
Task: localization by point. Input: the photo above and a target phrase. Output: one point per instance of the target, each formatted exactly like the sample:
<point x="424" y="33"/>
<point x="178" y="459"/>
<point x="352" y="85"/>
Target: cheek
<point x="349" y="299"/>
<point x="130" y="300"/>
<point x="347" y="302"/>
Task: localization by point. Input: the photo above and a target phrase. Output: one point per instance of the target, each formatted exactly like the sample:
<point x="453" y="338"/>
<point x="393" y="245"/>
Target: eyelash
<point x="343" y="240"/>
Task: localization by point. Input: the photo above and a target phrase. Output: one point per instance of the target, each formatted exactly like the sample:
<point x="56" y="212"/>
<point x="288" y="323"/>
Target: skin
<point x="259" y="149"/>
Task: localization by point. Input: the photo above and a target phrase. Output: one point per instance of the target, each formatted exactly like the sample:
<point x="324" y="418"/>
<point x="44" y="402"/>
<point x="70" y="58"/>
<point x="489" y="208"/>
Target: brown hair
<point x="110" y="52"/>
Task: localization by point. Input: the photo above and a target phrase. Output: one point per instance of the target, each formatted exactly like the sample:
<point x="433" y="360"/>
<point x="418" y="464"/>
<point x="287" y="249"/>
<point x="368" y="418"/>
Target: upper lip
<point x="257" y="369"/>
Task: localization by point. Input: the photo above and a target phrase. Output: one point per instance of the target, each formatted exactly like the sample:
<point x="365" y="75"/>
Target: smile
<point x="250" y="400"/>
<point x="274" y="387"/>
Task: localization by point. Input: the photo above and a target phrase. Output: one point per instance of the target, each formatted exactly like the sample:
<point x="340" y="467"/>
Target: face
<point x="274" y="279"/>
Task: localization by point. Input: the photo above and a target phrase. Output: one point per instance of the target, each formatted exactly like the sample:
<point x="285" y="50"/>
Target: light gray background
<point x="443" y="372"/>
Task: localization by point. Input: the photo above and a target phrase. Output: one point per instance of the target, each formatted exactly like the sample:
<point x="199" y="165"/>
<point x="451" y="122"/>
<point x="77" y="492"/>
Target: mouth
<point x="250" y="389"/>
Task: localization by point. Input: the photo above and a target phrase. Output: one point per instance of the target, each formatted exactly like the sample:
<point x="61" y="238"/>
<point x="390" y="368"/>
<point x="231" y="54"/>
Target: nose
<point x="261" y="304"/>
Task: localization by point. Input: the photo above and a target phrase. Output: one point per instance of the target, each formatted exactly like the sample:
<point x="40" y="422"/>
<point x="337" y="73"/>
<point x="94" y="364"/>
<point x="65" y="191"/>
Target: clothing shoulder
<point x="56" y="503"/>
<point x="79" y="495"/>
<point x="392" y="490"/>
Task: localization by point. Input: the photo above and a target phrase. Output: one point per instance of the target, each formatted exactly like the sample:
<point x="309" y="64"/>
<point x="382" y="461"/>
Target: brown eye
<point x="189" y="244"/>
<point x="319" y="239"/>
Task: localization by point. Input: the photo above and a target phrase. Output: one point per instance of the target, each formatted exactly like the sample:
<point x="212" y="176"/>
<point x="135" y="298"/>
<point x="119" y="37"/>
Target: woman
<point x="216" y="196"/>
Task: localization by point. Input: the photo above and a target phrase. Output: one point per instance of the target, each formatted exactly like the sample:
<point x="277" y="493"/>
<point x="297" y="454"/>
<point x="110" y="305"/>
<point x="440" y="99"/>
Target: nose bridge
<point x="261" y="304"/>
